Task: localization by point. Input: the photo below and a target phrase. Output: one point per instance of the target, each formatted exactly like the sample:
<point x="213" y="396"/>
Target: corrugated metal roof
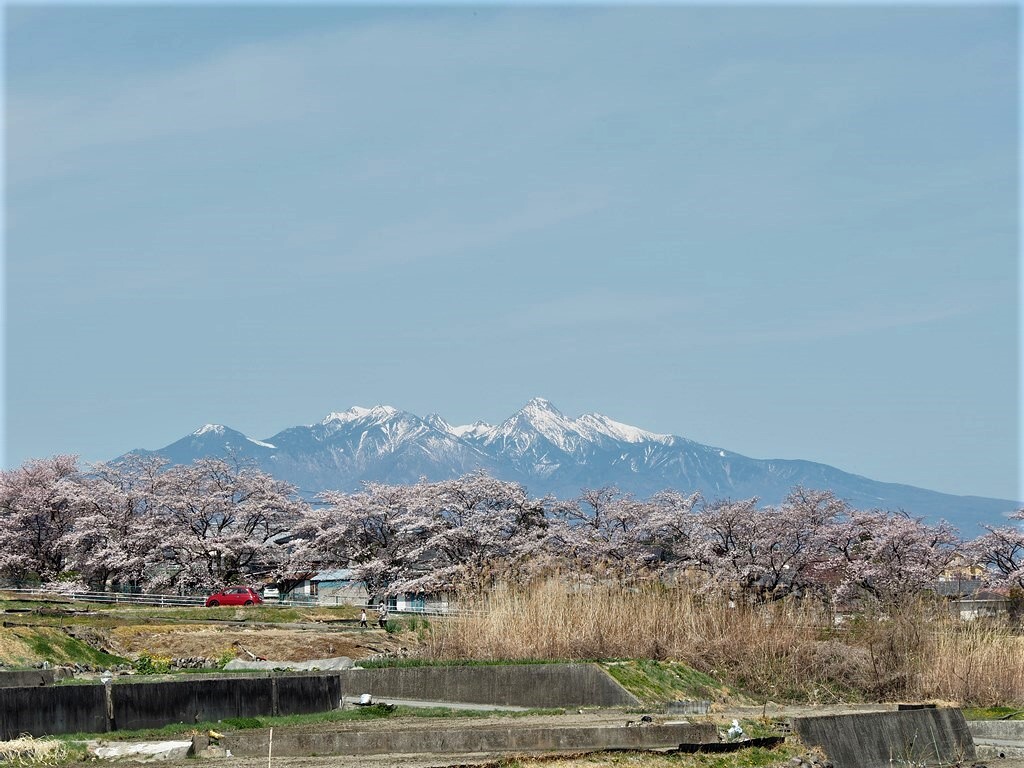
<point x="339" y="574"/>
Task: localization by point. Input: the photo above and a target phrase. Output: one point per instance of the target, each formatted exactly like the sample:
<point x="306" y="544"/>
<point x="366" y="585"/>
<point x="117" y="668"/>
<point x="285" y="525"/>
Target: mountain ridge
<point x="550" y="453"/>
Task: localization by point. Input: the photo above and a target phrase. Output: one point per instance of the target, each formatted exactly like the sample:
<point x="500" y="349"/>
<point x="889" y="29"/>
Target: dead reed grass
<point x="27" y="750"/>
<point x="788" y="650"/>
<point x="982" y="664"/>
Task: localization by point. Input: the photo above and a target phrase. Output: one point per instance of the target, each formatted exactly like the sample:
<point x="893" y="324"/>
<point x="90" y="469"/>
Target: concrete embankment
<point x="998" y="738"/>
<point x="521" y="685"/>
<point x="884" y="739"/>
<point x="25" y="678"/>
<point x="492" y="739"/>
<point x="42" y="711"/>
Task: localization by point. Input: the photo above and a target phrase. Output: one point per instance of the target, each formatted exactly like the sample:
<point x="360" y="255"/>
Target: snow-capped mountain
<point x="549" y="452"/>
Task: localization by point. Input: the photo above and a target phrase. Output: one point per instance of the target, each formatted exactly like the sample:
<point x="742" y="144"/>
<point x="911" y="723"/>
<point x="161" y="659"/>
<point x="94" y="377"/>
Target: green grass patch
<point x="656" y="682"/>
<point x="259" y="614"/>
<point x="111" y="614"/>
<point x="52" y="645"/>
<point x="993" y="713"/>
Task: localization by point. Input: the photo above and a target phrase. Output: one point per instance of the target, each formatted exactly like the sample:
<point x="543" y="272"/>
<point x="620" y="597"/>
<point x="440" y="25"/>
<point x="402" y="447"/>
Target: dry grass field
<point x="783" y="651"/>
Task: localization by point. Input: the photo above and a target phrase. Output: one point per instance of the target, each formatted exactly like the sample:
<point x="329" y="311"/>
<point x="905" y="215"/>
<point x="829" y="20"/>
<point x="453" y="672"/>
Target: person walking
<point x="362" y="618"/>
<point x="382" y="616"/>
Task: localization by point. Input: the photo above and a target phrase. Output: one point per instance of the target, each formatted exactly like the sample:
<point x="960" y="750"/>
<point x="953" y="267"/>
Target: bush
<point x="152" y="665"/>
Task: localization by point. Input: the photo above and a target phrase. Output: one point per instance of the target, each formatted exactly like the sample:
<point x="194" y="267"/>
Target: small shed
<point x="983" y="604"/>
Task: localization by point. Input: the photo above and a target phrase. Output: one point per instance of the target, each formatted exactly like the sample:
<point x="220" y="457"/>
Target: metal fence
<point x="184" y="601"/>
<point x="108" y="597"/>
<point x="137" y="598"/>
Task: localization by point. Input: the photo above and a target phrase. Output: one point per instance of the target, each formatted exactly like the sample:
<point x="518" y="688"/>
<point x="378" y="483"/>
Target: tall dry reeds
<point x="783" y="650"/>
<point x="975" y="662"/>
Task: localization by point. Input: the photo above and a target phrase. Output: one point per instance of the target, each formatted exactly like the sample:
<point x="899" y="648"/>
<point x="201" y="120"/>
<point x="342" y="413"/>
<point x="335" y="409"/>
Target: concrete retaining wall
<point x="522" y="685"/>
<point x="998" y="738"/>
<point x="300" y="695"/>
<point x="885" y="739"/>
<point x="431" y="739"/>
<point x="1007" y="730"/>
<point x="67" y="709"/>
<point x="25" y="678"/>
<point x="42" y="711"/>
<point x="150" y="705"/>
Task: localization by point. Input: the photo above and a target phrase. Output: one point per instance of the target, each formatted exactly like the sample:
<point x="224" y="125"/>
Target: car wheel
<point x="212" y="604"/>
<point x="248" y="602"/>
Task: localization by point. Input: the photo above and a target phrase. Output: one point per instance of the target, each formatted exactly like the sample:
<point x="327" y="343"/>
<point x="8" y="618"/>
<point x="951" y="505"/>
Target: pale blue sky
<point x="786" y="231"/>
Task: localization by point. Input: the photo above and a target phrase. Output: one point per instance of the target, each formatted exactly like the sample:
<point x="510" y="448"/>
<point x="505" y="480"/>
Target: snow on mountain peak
<point x="217" y="429"/>
<point x="539" y="416"/>
<point x="437" y="422"/>
<point x="353" y="413"/>
<point x="595" y="422"/>
<point x="358" y="412"/>
<point x="540" y="405"/>
<point x="476" y="429"/>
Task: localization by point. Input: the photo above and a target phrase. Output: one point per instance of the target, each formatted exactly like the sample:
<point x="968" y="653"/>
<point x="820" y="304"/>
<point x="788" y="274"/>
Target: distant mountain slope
<point x="550" y="453"/>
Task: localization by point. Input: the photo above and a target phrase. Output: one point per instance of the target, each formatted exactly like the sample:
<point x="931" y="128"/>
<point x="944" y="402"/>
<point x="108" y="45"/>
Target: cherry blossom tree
<point x="36" y="515"/>
<point x="472" y="531"/>
<point x="366" y="531"/>
<point x="725" y="545"/>
<point x="890" y="556"/>
<point x="605" y="531"/>
<point x="670" y="527"/>
<point x="1001" y="550"/>
<point x="456" y="534"/>
<point x="219" y="522"/>
<point x="770" y="552"/>
<point x="792" y="551"/>
<point x="114" y="531"/>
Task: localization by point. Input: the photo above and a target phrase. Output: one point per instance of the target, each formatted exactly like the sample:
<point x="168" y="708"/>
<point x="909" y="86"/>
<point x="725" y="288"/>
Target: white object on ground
<point x="143" y="750"/>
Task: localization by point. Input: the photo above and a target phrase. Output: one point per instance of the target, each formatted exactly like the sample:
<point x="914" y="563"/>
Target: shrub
<point x="152" y="665"/>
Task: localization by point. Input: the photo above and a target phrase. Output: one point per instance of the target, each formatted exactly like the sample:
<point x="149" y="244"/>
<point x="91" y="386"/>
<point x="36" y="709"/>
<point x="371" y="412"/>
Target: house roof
<point x="339" y="574"/>
<point x="958" y="587"/>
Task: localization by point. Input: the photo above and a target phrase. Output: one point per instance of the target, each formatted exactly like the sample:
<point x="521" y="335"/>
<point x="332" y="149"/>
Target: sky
<point x="786" y="231"/>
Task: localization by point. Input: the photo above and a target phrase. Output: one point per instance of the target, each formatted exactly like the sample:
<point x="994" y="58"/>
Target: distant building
<point x="334" y="587"/>
<point x="969" y="598"/>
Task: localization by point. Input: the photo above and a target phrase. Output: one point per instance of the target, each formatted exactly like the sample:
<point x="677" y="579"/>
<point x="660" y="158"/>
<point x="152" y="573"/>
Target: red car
<point x="234" y="596"/>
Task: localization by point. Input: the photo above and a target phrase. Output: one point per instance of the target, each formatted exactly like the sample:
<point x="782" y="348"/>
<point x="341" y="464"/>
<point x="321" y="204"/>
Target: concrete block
<point x="18" y="678"/>
<point x="464" y="740"/>
<point x="1007" y="730"/>
<point x="886" y="739"/>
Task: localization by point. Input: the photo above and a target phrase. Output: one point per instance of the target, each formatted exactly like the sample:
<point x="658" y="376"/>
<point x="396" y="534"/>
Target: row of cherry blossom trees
<point x="142" y="523"/>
